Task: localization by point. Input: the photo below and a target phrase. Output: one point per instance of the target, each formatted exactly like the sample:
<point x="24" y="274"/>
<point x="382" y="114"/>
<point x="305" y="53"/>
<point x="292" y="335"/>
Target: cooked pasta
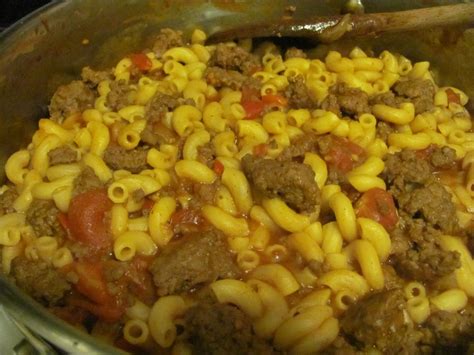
<point x="210" y="199"/>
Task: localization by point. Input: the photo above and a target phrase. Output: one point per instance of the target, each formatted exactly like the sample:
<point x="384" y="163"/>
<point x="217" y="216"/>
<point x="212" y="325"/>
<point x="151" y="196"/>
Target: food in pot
<point x="218" y="200"/>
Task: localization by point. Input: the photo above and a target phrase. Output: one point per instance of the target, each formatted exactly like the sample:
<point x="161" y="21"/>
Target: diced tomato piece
<point x="260" y="150"/>
<point x="351" y="146"/>
<point x="251" y="102"/>
<point x="148" y="204"/>
<point x="453" y="97"/>
<point x="218" y="167"/>
<point x="277" y="100"/>
<point x="91" y="282"/>
<point x="63" y="221"/>
<point x="378" y="204"/>
<point x="139" y="281"/>
<point x="253" y="109"/>
<point x="341" y="154"/>
<point x="250" y="93"/>
<point x="106" y="312"/>
<point x="124" y="345"/>
<point x="86" y="219"/>
<point x="71" y="314"/>
<point x="186" y="216"/>
<point x="141" y="61"/>
<point x="341" y="159"/>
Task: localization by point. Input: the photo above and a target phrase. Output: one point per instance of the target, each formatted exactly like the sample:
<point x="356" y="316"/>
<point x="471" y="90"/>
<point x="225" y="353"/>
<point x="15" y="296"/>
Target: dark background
<point x="12" y="10"/>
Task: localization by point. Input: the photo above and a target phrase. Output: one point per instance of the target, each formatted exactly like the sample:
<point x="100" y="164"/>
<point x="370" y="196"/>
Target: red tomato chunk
<point x="378" y="204"/>
<point x="86" y="219"/>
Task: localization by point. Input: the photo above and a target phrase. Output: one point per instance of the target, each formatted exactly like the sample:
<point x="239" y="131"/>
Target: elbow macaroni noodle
<point x="301" y="270"/>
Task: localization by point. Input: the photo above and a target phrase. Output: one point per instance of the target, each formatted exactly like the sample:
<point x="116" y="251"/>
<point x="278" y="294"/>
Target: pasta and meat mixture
<point x="223" y="200"/>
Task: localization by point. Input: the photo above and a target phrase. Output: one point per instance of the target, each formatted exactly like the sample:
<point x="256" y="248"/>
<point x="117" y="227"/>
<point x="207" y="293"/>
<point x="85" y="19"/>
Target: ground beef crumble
<point x="379" y="319"/>
<point x="42" y="215"/>
<point x="39" y="279"/>
<point x="85" y="181"/>
<point x="71" y="98"/>
<point x="419" y="91"/>
<point x="166" y="39"/>
<point x="234" y="58"/>
<point x="344" y="100"/>
<point x="417" y="191"/>
<point x="62" y="155"/>
<point x="418" y="254"/>
<point x="298" y="94"/>
<point x="291" y="181"/>
<point x="222" y="329"/>
<point x="194" y="260"/>
<point x="133" y="160"/>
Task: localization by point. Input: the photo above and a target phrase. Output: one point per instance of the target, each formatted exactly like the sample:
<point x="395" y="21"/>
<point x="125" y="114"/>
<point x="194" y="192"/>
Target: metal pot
<point x="49" y="47"/>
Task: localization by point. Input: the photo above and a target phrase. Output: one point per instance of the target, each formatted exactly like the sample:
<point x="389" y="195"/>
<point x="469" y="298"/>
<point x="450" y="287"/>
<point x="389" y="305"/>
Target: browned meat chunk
<point x="62" y="155"/>
<point x="387" y="98"/>
<point x="452" y="329"/>
<point x="155" y="131"/>
<point x="299" y="146"/>
<point x="298" y="94"/>
<point x="406" y="168"/>
<point x="234" y="58"/>
<point x="43" y="217"/>
<point x="421" y="257"/>
<point x="470" y="244"/>
<point x="340" y="347"/>
<point x="349" y="101"/>
<point x="330" y="104"/>
<point x="162" y="103"/>
<point x="222" y="329"/>
<point x="352" y="101"/>
<point x="120" y="95"/>
<point x="400" y="240"/>
<point x="379" y="320"/>
<point x="126" y="282"/>
<point x="93" y="77"/>
<point x="194" y="260"/>
<point x="150" y="135"/>
<point x="433" y="203"/>
<point x="414" y="88"/>
<point x="417" y="191"/>
<point x="166" y="39"/>
<point x="133" y="160"/>
<point x="71" y="98"/>
<point x="294" y="52"/>
<point x="40" y="280"/>
<point x="86" y="181"/>
<point x="7" y="199"/>
<point x="442" y="158"/>
<point x="220" y="78"/>
<point x="206" y="154"/>
<point x="419" y="91"/>
<point x="291" y="181"/>
<point x="384" y="129"/>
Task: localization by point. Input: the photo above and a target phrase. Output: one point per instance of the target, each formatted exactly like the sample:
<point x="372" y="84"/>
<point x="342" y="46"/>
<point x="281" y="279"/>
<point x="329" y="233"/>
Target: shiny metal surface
<point x="47" y="49"/>
<point x="10" y="337"/>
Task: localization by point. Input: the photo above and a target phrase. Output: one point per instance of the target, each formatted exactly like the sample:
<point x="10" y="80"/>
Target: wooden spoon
<point x="331" y="28"/>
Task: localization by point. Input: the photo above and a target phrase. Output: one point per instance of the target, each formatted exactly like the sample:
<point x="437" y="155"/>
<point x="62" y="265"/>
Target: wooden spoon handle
<point x="320" y="27"/>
